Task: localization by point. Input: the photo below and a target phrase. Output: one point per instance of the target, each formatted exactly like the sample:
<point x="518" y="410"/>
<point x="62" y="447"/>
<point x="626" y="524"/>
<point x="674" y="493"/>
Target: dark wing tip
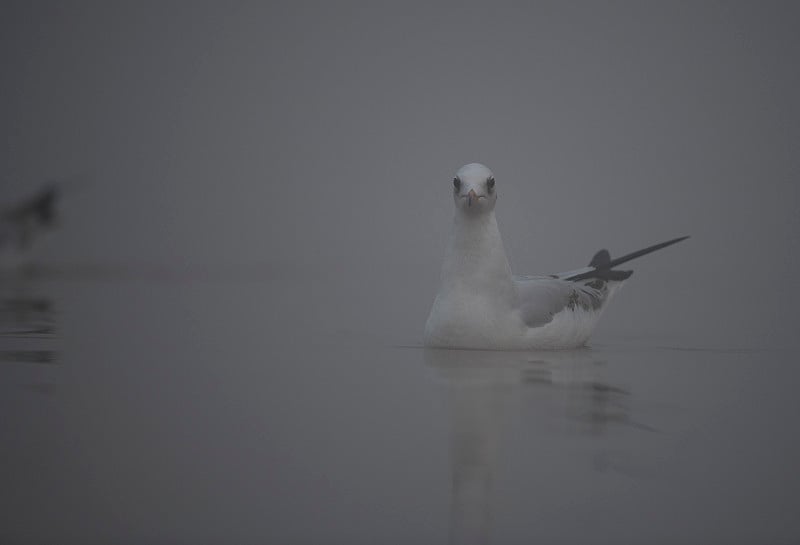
<point x="644" y="251"/>
<point x="600" y="259"/>
<point x="617" y="275"/>
<point x="604" y="266"/>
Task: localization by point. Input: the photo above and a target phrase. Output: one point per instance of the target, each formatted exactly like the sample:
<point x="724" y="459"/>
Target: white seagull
<point x="482" y="305"/>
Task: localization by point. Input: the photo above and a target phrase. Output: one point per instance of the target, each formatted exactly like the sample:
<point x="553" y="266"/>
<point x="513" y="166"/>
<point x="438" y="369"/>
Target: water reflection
<point x="27" y="321"/>
<point x="569" y="388"/>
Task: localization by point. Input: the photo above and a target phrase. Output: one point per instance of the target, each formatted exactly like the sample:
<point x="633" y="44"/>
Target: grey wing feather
<point x="542" y="297"/>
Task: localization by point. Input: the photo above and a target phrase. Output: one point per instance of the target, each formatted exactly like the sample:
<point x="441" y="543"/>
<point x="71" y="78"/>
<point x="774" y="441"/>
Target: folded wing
<point x="540" y="298"/>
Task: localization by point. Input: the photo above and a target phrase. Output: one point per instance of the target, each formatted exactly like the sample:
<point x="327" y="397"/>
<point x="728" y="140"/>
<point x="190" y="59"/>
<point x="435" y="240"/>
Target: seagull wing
<point x="540" y="298"/>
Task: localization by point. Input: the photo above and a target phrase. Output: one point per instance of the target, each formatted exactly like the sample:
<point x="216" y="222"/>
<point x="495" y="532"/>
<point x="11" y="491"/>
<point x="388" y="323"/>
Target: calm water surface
<point x="142" y="411"/>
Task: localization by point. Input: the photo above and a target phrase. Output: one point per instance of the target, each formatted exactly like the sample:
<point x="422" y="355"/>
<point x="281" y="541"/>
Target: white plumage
<point x="481" y="305"/>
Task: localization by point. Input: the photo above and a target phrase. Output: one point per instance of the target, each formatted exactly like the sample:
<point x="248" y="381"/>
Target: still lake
<point x="169" y="410"/>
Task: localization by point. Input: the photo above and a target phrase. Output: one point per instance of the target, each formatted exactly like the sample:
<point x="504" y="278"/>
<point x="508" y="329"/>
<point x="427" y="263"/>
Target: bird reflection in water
<point x="27" y="322"/>
<point x="480" y="388"/>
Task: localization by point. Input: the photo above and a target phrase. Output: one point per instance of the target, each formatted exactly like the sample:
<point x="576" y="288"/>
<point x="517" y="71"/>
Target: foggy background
<point x="318" y="142"/>
<point x="221" y="341"/>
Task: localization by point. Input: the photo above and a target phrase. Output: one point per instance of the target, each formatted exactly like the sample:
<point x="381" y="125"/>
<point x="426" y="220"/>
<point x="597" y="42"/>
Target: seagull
<point x="482" y="305"/>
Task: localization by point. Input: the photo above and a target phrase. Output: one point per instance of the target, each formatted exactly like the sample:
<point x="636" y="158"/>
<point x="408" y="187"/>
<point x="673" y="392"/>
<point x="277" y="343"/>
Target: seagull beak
<point x="471" y="196"/>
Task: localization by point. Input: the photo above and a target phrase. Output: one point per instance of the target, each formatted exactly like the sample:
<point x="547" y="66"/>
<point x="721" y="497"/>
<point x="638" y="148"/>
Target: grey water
<point x="220" y="339"/>
<point x="212" y="410"/>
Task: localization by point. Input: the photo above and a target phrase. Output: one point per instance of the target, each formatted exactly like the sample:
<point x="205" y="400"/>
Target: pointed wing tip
<point x="675" y="240"/>
<point x="672" y="241"/>
<point x="602" y="261"/>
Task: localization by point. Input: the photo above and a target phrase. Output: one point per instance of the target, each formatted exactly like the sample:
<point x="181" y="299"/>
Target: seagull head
<point x="474" y="189"/>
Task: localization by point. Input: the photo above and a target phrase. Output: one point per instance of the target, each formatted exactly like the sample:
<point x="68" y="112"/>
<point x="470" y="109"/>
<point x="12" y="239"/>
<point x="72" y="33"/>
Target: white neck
<point x="475" y="259"/>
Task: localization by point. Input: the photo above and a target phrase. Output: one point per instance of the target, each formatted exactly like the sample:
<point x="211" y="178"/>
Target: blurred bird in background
<point x="23" y="222"/>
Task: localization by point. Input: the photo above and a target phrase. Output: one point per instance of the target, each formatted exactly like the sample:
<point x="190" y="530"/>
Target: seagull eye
<point x="490" y="183"/>
<point x="457" y="182"/>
